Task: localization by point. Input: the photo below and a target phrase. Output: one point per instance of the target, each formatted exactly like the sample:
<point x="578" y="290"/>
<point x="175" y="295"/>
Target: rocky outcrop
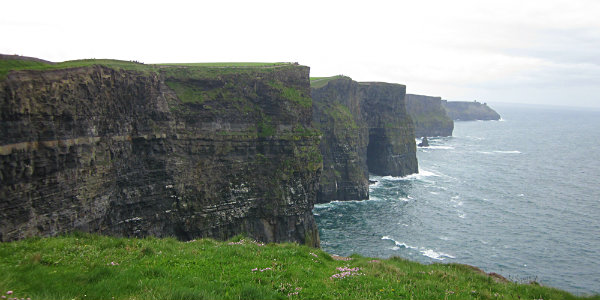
<point x="424" y="142"/>
<point x="164" y="151"/>
<point x="470" y="111"/>
<point x="365" y="130"/>
<point x="429" y="116"/>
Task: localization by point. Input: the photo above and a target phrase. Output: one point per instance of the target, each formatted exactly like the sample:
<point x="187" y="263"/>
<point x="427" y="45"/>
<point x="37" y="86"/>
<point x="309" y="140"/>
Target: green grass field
<point x="83" y="266"/>
<point x="7" y="65"/>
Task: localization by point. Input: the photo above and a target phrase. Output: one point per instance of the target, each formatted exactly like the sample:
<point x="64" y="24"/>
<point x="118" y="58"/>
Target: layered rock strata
<point x="165" y="151"/>
<point x="365" y="130"/>
<point x="429" y="116"/>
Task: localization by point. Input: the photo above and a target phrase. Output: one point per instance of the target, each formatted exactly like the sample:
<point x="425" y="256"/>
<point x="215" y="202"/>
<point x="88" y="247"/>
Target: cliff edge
<point x="365" y="130"/>
<point x="128" y="149"/>
<point x="470" y="111"/>
<point x="429" y="116"/>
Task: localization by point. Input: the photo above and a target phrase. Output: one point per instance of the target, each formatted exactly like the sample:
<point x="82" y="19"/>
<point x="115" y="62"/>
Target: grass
<point x="228" y="64"/>
<point x="83" y="266"/>
<point x="319" y="82"/>
<point x="7" y="65"/>
<point x="292" y="94"/>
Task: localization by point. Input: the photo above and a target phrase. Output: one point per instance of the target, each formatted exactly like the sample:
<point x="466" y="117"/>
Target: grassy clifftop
<point x="9" y="63"/>
<point x="83" y="266"/>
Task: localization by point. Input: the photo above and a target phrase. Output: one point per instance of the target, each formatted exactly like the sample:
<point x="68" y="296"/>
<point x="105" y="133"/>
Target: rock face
<point x="470" y="111"/>
<point x="429" y="116"/>
<point x="365" y="129"/>
<point x="172" y="151"/>
<point x="424" y="142"/>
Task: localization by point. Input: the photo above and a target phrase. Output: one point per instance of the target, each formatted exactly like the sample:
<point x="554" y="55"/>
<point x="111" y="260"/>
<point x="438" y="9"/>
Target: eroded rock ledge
<point x="171" y="151"/>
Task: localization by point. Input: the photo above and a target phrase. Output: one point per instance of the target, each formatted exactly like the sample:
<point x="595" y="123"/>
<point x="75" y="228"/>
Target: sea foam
<point x="436" y="255"/>
<point x="424" y="251"/>
<point x="418" y="176"/>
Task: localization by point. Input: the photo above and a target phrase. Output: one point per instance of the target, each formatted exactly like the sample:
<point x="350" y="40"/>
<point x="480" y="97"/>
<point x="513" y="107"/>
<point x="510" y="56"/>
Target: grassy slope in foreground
<point x="83" y="266"/>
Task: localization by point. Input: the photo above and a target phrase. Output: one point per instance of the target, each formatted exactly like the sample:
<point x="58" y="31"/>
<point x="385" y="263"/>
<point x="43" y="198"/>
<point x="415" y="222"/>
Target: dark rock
<point x="365" y="129"/>
<point x="372" y="182"/>
<point x="184" y="152"/>
<point x="424" y="142"/>
<point x="470" y="111"/>
<point x="429" y="116"/>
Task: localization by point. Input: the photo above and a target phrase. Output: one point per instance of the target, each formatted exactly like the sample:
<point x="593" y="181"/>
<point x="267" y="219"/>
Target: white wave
<point x="500" y="152"/>
<point x="427" y="252"/>
<point x="440" y="147"/>
<point x="462" y="216"/>
<point x="436" y="255"/>
<point x="374" y="185"/>
<point x="502" y="120"/>
<point x="434" y="193"/>
<point x="475" y="138"/>
<point x="418" y="176"/>
<point x="398" y="244"/>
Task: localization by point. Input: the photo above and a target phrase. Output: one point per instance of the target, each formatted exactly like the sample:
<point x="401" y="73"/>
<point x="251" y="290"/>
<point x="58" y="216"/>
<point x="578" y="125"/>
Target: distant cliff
<point x="134" y="150"/>
<point x="469" y="111"/>
<point x="429" y="116"/>
<point x="365" y="130"/>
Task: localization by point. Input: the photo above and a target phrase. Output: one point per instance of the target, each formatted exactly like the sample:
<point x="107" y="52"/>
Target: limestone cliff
<point x="159" y="150"/>
<point x="469" y="111"/>
<point x="365" y="130"/>
<point x="429" y="116"/>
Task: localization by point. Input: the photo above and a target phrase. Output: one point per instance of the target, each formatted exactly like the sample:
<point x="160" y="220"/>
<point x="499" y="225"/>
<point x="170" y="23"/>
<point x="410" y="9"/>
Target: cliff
<point x="132" y="150"/>
<point x="470" y="111"/>
<point x="365" y="130"/>
<point x="429" y="116"/>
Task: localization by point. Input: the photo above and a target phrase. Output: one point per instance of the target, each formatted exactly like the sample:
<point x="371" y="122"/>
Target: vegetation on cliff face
<point x="123" y="148"/>
<point x="429" y="116"/>
<point x="319" y="82"/>
<point x="365" y="129"/>
<point x="83" y="266"/>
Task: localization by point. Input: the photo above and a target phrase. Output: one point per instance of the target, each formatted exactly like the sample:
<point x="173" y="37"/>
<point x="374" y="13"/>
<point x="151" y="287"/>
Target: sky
<point x="510" y="51"/>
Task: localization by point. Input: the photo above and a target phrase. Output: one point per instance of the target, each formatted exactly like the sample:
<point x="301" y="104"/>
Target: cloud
<point x="460" y="48"/>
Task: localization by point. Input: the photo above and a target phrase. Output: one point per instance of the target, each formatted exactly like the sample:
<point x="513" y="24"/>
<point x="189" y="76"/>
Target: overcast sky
<point x="526" y="51"/>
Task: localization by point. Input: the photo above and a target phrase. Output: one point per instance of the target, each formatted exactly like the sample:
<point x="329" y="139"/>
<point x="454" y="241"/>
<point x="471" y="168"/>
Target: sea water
<point x="519" y="197"/>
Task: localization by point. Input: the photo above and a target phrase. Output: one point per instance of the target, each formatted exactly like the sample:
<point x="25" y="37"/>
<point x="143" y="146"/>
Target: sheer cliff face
<point x="429" y="116"/>
<point x="365" y="129"/>
<point x="198" y="152"/>
<point x="470" y="111"/>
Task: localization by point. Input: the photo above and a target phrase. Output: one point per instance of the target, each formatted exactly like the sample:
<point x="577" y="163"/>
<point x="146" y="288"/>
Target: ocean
<point x="519" y="197"/>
